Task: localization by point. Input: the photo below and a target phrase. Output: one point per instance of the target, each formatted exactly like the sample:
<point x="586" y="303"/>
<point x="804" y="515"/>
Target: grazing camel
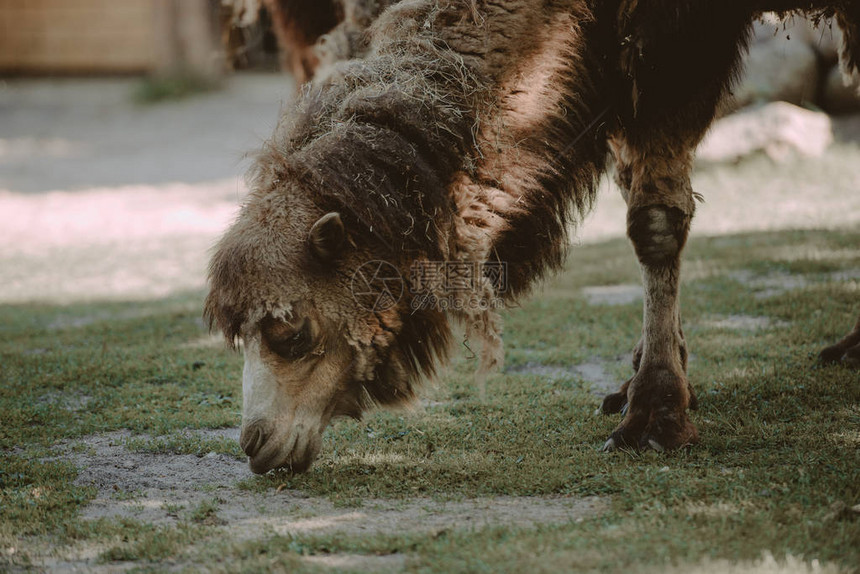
<point x="473" y="133"/>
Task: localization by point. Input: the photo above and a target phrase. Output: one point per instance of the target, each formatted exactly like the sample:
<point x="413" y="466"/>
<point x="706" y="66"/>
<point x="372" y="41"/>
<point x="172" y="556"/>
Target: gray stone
<point x="779" y="70"/>
<point x="778" y="129"/>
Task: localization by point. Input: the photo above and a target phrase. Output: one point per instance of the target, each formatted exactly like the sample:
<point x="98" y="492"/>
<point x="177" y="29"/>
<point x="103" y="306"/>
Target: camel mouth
<point x="297" y="458"/>
<point x="290" y="465"/>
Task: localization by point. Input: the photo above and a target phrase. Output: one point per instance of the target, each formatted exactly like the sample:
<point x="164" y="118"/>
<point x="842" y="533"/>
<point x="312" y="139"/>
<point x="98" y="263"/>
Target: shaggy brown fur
<point x="476" y="131"/>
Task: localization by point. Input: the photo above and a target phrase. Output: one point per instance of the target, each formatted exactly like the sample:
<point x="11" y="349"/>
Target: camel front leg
<point x="617" y="402"/>
<point x="660" y="209"/>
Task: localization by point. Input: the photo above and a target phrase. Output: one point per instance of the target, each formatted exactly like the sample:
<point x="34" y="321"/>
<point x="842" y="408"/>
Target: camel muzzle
<point x="293" y="452"/>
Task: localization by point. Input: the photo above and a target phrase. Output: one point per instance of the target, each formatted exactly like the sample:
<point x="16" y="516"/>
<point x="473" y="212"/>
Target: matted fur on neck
<point x="380" y="141"/>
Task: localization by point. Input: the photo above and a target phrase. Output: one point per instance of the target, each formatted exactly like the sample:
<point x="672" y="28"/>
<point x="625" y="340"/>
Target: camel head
<point x="294" y="287"/>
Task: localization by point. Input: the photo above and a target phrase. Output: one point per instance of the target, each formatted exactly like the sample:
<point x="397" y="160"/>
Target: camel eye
<point x="290" y="342"/>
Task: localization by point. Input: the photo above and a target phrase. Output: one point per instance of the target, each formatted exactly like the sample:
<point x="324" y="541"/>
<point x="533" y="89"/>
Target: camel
<point x="472" y="134"/>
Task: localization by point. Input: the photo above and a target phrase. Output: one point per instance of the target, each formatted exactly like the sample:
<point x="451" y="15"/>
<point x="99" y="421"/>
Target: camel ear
<point x="327" y="236"/>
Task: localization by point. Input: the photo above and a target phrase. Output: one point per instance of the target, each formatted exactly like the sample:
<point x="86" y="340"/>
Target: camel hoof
<point x="830" y="355"/>
<point x="614" y="403"/>
<point x="655" y="445"/>
<point x="838" y="355"/>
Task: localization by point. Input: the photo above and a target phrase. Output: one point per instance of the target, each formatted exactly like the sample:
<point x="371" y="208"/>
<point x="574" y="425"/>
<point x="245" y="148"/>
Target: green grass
<point x="174" y="87"/>
<point x="779" y="443"/>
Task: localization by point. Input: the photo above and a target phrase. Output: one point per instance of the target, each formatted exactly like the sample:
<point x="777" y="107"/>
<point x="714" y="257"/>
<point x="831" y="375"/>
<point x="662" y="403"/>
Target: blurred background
<point x="124" y="129"/>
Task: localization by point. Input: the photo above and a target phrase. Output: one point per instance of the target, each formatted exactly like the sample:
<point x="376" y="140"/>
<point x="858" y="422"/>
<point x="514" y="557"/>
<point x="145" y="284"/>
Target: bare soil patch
<point x="775" y="284"/>
<point x="613" y="294"/>
<point x="596" y="372"/>
<point x="742" y="322"/>
<point x="159" y="488"/>
<point x="163" y="489"/>
<point x="360" y="562"/>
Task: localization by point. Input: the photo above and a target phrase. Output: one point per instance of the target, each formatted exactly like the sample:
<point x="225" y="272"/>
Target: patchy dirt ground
<point x="593" y="372"/>
<point x="155" y="488"/>
<point x="160" y="489"/>
<point x="764" y="286"/>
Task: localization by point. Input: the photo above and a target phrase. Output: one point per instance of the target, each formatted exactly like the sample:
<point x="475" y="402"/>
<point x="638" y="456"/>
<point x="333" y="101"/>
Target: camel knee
<point x="658" y="233"/>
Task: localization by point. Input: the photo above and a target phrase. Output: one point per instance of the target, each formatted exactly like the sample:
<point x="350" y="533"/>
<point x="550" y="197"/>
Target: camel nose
<point x="253" y="437"/>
